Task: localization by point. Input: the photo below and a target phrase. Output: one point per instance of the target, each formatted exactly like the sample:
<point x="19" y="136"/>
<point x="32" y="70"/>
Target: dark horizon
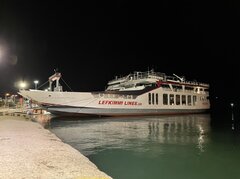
<point x="92" y="42"/>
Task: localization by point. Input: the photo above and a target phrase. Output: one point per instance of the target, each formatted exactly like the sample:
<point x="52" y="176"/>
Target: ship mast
<point x="55" y="77"/>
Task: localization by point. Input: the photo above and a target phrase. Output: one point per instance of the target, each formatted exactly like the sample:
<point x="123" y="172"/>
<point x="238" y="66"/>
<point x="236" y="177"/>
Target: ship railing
<point x="139" y="75"/>
<point x="152" y="75"/>
<point x="204" y="84"/>
<point x="172" y="78"/>
<point x="118" y="79"/>
<point x="146" y="76"/>
<point x="195" y="83"/>
<point x="116" y="96"/>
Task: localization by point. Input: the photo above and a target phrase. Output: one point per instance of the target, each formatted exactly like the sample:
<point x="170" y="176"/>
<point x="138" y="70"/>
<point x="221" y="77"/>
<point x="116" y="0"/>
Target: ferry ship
<point x="136" y="94"/>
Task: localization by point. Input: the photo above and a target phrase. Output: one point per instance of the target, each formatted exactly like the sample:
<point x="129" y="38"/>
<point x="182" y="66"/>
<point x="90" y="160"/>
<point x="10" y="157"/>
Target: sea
<point x="199" y="146"/>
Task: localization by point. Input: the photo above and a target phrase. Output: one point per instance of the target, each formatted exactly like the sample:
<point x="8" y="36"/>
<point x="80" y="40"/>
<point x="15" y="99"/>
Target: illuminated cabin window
<point x="194" y="100"/>
<point x="183" y="99"/>
<point x="171" y="97"/>
<point x="177" y="99"/>
<point x="149" y="98"/>
<point x="157" y="98"/>
<point x="165" y="99"/>
<point x="189" y="99"/>
<point x="153" y="98"/>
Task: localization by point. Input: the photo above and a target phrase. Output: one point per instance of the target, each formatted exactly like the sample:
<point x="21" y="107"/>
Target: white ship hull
<point x="117" y="103"/>
<point x="120" y="112"/>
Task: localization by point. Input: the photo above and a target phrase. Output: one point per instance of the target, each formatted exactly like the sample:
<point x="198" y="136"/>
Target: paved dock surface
<point x="27" y="150"/>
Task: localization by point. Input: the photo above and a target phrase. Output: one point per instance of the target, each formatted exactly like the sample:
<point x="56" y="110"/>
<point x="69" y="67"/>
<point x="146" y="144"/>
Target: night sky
<point x="90" y="42"/>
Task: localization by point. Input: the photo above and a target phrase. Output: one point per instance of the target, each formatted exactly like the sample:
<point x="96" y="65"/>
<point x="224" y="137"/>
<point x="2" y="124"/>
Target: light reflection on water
<point x="96" y="134"/>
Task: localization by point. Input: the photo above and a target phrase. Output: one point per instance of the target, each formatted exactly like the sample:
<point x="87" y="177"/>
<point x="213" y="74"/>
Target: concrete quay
<point x="27" y="150"/>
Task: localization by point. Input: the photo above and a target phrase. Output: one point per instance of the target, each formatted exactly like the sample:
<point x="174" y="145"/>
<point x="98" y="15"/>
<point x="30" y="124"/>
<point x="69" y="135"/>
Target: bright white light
<point x="22" y="85"/>
<point x="36" y="82"/>
<point x="232" y="104"/>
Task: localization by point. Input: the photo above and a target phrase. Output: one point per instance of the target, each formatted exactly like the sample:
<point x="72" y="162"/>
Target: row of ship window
<point x="171" y="99"/>
<point x="187" y="88"/>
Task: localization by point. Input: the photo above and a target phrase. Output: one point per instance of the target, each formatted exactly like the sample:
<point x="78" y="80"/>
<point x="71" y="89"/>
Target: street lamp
<point x="6" y="99"/>
<point x="232" y="105"/>
<point x="36" y="83"/>
<point x="14" y="98"/>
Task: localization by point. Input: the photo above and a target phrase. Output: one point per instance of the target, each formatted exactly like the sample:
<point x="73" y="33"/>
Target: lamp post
<point x="232" y="105"/>
<point x="14" y="98"/>
<point x="36" y="83"/>
<point x="22" y="86"/>
<point x="6" y="99"/>
<point x="233" y="124"/>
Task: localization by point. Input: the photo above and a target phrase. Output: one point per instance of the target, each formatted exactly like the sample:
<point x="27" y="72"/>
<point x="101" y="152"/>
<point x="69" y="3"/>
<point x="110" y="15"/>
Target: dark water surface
<point x="167" y="147"/>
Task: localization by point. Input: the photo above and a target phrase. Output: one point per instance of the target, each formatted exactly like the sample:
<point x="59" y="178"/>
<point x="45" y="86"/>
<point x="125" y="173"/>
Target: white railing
<point x="153" y="75"/>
